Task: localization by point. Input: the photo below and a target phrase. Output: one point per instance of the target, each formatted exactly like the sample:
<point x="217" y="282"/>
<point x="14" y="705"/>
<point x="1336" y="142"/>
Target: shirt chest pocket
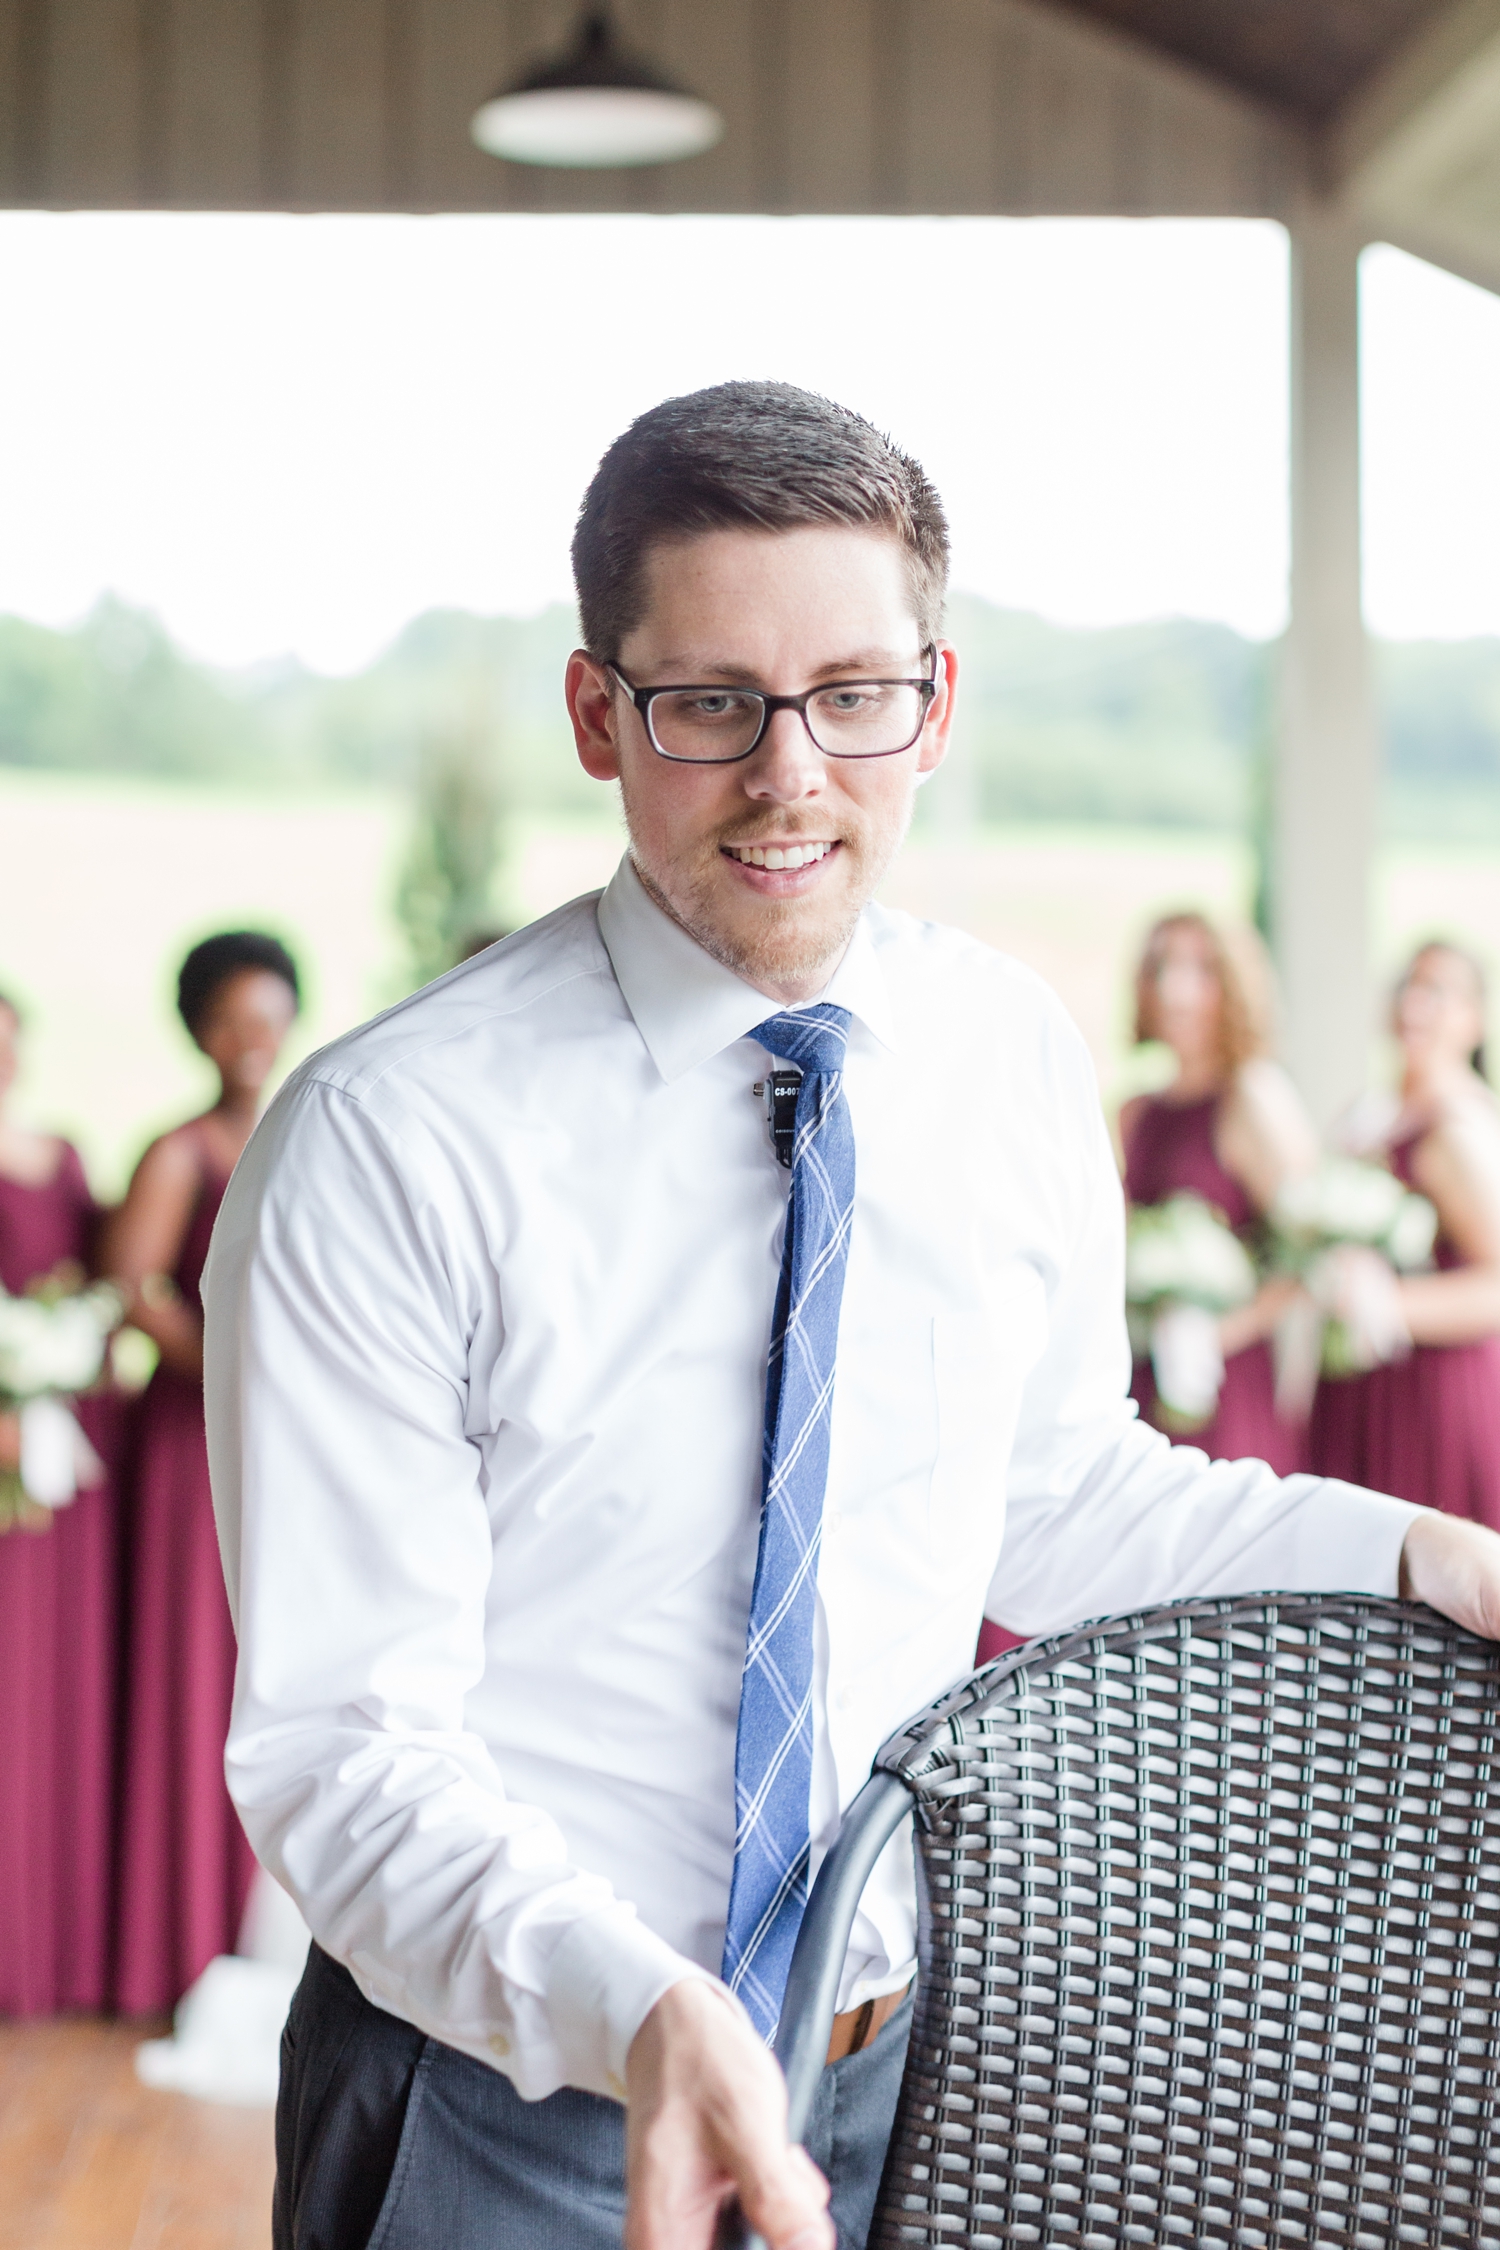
<point x="980" y="1366"/>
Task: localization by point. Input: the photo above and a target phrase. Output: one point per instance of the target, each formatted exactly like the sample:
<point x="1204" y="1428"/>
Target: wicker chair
<point x="1209" y="1937"/>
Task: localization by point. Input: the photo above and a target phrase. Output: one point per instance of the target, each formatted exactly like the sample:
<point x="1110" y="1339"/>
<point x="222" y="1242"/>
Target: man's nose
<point x="788" y="764"/>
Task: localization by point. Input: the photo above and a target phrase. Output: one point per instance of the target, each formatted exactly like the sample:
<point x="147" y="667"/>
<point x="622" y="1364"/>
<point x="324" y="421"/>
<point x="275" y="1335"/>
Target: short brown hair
<point x="751" y="456"/>
<point x="1244" y="986"/>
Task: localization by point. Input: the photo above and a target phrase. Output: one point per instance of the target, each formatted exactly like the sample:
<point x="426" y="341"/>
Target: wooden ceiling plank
<point x="20" y="23"/>
<point x="1071" y="136"/>
<point x="459" y="57"/>
<point x="1198" y="152"/>
<point x="958" y="105"/>
<point x="209" y="120"/>
<point x="712" y="51"/>
<point x="893" y="33"/>
<point x="1012" y="63"/>
<point x="337" y="122"/>
<point x="398" y="101"/>
<point x="1111" y="126"/>
<point x="830" y="81"/>
<point x="91" y="106"/>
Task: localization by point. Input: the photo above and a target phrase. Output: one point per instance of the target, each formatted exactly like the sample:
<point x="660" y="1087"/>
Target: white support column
<point x="1326" y="763"/>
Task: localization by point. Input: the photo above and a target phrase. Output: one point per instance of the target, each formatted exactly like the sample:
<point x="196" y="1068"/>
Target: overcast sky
<point x="293" y="434"/>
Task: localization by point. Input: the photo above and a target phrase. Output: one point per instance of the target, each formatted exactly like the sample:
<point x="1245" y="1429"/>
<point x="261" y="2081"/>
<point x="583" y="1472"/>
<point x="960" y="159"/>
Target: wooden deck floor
<point x="92" y="2160"/>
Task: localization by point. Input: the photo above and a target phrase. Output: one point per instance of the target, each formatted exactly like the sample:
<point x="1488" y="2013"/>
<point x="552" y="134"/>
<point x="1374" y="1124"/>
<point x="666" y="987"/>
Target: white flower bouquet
<point x="1184" y="1266"/>
<point x="1346" y="1230"/>
<point x="1345" y="1200"/>
<point x="52" y="1345"/>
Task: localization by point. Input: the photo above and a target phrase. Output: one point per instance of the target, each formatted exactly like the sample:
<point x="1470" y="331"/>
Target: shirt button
<point x="847" y="1699"/>
<point x="499" y="2044"/>
<point x="833" y="1521"/>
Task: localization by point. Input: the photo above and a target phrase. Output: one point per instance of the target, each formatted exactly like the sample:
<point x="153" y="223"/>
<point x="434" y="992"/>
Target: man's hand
<point x="1454" y="1566"/>
<point x="706" y="2120"/>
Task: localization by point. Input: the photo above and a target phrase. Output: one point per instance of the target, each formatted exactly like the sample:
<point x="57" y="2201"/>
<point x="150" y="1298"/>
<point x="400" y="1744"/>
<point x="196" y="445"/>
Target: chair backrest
<point x="1209" y="1937"/>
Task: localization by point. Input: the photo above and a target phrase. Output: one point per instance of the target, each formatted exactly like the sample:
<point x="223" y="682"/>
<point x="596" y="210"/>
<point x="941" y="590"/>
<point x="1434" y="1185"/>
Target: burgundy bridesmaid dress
<point x="58" y="1610"/>
<point x="185" y="1867"/>
<point x="1171" y="1152"/>
<point x="1427" y="1427"/>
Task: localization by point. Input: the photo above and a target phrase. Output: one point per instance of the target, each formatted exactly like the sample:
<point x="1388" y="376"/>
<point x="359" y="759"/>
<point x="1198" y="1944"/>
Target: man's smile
<point x="782" y="854"/>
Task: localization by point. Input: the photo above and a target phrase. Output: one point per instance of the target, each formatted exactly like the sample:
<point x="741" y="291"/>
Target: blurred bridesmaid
<point x="1229" y="1128"/>
<point x="1426" y="1426"/>
<point x="57" y="1630"/>
<point x="185" y="1867"/>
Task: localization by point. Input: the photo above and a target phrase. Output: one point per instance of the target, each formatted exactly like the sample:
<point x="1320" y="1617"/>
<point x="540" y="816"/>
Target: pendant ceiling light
<point x="597" y="105"/>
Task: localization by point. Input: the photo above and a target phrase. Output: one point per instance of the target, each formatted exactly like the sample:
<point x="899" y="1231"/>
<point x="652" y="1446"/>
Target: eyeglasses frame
<point x="643" y="698"/>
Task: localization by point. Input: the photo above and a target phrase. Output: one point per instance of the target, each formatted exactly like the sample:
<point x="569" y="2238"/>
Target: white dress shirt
<point x="487" y="1317"/>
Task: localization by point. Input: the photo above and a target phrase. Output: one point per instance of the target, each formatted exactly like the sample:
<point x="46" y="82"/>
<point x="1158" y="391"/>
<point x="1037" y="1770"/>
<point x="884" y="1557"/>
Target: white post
<point x="1326" y="762"/>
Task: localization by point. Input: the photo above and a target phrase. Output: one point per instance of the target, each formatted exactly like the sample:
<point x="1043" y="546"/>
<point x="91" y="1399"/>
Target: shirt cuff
<point x="606" y="1975"/>
<point x="1349" y="1541"/>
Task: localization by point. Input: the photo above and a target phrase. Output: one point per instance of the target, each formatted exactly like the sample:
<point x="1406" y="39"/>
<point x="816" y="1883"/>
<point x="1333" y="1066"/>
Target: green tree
<point x="116" y="697"/>
<point x="449" y="888"/>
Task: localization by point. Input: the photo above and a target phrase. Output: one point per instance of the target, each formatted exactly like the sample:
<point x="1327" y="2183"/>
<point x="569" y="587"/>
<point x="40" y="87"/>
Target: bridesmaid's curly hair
<point x="1244" y="986"/>
<point x="216" y="959"/>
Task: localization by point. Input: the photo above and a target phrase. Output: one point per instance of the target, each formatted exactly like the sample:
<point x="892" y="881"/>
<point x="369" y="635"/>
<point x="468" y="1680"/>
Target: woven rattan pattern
<point x="1209" y="1936"/>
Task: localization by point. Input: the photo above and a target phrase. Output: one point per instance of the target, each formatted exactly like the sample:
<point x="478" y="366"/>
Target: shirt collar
<point x="687" y="1006"/>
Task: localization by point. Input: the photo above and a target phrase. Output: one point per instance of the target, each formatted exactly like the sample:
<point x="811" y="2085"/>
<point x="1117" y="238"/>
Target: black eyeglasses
<point x="717" y="726"/>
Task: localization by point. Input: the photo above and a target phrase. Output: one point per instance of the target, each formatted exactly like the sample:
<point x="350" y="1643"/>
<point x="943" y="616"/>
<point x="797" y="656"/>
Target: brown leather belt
<point x="856" y="2027"/>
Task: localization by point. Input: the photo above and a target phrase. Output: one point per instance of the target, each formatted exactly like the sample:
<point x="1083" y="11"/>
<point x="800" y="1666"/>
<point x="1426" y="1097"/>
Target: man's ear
<point x="591" y="707"/>
<point x="933" y="748"/>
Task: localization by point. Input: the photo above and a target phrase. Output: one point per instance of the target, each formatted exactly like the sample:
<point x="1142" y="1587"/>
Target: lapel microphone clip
<point x="780" y="1090"/>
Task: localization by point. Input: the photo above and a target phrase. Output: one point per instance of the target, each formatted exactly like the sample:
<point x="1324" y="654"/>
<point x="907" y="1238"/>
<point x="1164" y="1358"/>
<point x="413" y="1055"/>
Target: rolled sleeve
<point x="608" y="1972"/>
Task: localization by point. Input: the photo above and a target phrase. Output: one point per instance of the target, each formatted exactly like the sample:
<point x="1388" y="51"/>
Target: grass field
<point x="105" y="885"/>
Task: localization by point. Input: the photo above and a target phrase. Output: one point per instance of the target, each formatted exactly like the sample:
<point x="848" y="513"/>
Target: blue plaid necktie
<point x="773" y="1748"/>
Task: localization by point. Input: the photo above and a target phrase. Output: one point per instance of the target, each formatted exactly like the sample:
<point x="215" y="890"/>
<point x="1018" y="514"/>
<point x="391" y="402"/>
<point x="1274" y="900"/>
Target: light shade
<point x="595" y="106"/>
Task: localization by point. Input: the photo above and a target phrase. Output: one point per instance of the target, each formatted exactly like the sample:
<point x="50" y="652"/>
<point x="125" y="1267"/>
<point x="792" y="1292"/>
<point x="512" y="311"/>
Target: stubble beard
<point x="779" y="942"/>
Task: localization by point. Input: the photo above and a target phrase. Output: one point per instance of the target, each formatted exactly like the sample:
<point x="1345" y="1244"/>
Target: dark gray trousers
<point x="388" y="2140"/>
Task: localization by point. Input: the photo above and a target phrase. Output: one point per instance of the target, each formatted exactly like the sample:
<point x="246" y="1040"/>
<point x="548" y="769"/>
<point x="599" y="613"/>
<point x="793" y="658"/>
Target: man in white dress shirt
<point x="489" y="1309"/>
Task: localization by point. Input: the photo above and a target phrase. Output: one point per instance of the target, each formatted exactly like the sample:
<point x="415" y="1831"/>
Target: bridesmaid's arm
<point x="1457" y="1167"/>
<point x="143" y="1241"/>
<point x="1125" y="1125"/>
<point x="1265" y="1136"/>
<point x="1252" y="1323"/>
<point x="1264" y="1139"/>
